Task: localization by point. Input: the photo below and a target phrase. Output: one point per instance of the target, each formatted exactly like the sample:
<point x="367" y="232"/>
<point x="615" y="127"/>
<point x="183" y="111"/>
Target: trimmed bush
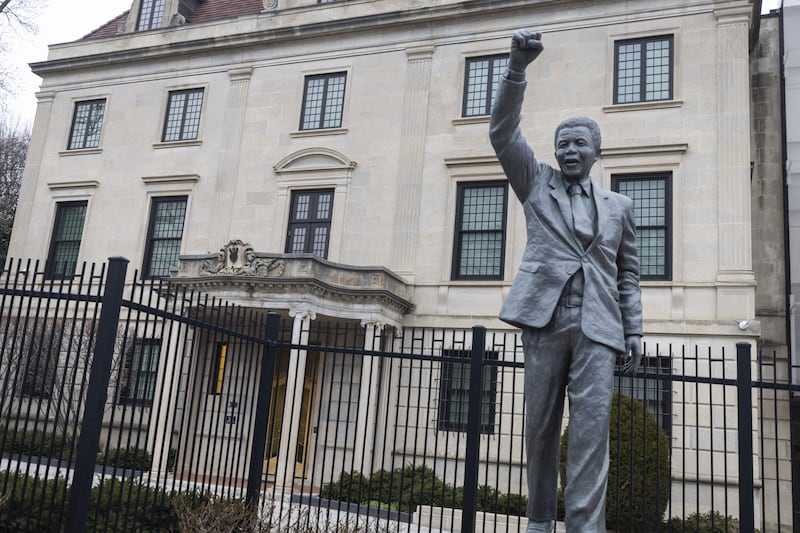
<point x="639" y="475"/>
<point x="131" y="458"/>
<point x="709" y="522"/>
<point x="407" y="487"/>
<point x="31" y="504"/>
<point x="36" y="443"/>
<point x="124" y="505"/>
<point x="351" y="487"/>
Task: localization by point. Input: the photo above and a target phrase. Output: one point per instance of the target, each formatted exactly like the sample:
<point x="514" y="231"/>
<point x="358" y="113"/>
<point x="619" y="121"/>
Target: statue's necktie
<point x="581" y="216"/>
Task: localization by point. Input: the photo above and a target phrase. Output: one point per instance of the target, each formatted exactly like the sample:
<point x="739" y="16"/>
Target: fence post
<point x="96" y="393"/>
<point x="745" y="417"/>
<point x="473" y="430"/>
<point x="262" y="409"/>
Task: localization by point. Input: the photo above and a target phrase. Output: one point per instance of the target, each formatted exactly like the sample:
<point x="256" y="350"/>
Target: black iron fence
<point x="121" y="401"/>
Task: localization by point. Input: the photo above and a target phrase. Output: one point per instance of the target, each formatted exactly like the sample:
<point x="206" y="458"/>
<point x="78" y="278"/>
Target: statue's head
<point x="577" y="147"/>
<point x="585" y="122"/>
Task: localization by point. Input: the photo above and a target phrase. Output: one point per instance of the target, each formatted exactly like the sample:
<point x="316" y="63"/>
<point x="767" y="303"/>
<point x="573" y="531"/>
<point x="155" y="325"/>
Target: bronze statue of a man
<point x="576" y="298"/>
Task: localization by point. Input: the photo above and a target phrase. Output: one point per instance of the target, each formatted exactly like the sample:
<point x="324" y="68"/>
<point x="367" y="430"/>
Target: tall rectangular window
<point x="140" y="372"/>
<point x="653" y="387"/>
<point x="183" y="115"/>
<point x="164" y="235"/>
<point x="40" y="345"/>
<point x="480" y="236"/>
<point x="454" y="392"/>
<point x="481" y="79"/>
<point x="151" y="15"/>
<point x="310" y="222"/>
<point x="643" y="70"/>
<point x="87" y="121"/>
<point x="652" y="200"/>
<point x="65" y="243"/>
<point x="323" y="101"/>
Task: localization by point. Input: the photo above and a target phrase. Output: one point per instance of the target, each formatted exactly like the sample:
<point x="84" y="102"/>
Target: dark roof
<point x="109" y="29"/>
<point x="208" y="11"/>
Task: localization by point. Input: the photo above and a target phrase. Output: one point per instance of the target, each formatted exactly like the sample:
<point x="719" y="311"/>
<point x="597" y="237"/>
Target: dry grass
<point x="214" y="514"/>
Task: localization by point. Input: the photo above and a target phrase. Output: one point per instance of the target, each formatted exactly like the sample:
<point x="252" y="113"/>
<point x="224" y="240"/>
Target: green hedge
<point x="133" y="458"/>
<point x="31" y="505"/>
<point x="36" y="443"/>
<point x="709" y="522"/>
<point x="35" y="505"/>
<point x="127" y="506"/>
<point x="407" y="487"/>
<point x="48" y="444"/>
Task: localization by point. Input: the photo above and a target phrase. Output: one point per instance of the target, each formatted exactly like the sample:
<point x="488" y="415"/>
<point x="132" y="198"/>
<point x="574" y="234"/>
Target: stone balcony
<point x="296" y="282"/>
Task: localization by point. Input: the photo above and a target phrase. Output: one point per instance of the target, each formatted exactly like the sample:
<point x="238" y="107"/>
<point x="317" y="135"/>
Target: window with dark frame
<point x="323" y="101"/>
<point x="481" y="79"/>
<point x="87" y="120"/>
<point x="62" y="258"/>
<point x="454" y="392"/>
<point x="480" y="236"/>
<point x="151" y="15"/>
<point x="164" y="234"/>
<point x="652" y="204"/>
<point x="40" y="347"/>
<point x="140" y="372"/>
<point x="182" y="122"/>
<point x="310" y="222"/>
<point x="653" y="388"/>
<point x="643" y="69"/>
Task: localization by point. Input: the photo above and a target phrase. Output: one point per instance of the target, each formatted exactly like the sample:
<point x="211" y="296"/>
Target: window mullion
<point x="323" y="103"/>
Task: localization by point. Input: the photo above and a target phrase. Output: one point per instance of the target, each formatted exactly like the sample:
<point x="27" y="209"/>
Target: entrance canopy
<point x="240" y="275"/>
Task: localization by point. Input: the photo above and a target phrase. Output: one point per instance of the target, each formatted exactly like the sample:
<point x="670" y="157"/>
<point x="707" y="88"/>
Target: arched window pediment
<point x="315" y="160"/>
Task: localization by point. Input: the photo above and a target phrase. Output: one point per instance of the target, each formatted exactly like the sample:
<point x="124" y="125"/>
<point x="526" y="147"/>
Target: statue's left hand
<point x="633" y="351"/>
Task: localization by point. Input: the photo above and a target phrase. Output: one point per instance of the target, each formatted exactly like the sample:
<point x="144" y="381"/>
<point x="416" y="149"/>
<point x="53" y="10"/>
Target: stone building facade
<point x="357" y="131"/>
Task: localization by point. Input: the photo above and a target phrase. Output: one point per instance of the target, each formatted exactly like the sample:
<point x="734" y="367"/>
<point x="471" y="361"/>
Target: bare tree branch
<point x="17" y="21"/>
<point x="14" y="143"/>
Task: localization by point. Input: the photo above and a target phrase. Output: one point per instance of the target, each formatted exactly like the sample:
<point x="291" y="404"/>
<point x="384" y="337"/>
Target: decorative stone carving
<point x="177" y="20"/>
<point x="240" y="259"/>
<point x="270" y="4"/>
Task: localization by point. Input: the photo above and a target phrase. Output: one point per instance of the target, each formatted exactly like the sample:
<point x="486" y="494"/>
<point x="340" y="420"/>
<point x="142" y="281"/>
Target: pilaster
<point x="228" y="169"/>
<point x="30" y="179"/>
<point x="735" y="277"/>
<point x="411" y="158"/>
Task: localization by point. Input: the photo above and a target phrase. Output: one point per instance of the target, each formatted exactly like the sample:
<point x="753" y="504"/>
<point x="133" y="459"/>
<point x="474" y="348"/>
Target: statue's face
<point x="575" y="152"/>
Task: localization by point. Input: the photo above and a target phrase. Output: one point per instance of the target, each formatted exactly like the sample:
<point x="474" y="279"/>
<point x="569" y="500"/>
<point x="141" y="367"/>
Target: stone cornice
<point x="286" y="280"/>
<point x="282" y="26"/>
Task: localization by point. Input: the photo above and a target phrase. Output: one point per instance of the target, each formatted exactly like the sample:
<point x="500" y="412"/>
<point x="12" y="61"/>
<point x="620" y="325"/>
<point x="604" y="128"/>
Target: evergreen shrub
<point x="639" y="475"/>
<point x="132" y="458"/>
<point x="709" y="522"/>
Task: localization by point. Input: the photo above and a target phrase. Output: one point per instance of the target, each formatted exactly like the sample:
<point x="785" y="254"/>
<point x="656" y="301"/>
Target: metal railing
<point x="108" y="384"/>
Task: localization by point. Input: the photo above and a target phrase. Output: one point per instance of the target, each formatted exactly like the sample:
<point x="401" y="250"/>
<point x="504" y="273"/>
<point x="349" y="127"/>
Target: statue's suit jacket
<point x="612" y="307"/>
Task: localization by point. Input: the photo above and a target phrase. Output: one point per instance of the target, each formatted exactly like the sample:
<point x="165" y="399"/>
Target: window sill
<point x="80" y="151"/>
<point x="638" y="106"/>
<point x="475" y="283"/>
<point x="480" y="119"/>
<point x="317" y="133"/>
<point x="177" y="144"/>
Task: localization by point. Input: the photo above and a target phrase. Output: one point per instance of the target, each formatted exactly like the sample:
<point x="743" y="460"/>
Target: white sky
<point x="67" y="20"/>
<point x="59" y="21"/>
